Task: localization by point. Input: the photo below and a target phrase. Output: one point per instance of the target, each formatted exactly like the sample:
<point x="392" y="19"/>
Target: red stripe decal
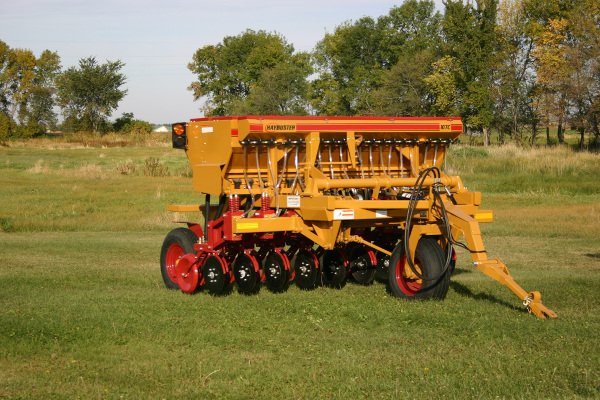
<point x="369" y="127"/>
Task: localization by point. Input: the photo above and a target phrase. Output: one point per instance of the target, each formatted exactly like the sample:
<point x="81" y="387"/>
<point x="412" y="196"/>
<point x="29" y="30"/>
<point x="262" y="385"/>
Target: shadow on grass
<point x="466" y="292"/>
<point x="459" y="271"/>
<point x="593" y="255"/>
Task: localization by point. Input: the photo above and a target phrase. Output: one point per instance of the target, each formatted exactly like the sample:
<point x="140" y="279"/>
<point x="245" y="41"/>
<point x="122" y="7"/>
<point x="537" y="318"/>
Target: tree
<point x="553" y="69"/>
<point x="442" y="85"/>
<point x="470" y="38"/>
<point x="583" y="56"/>
<point x="90" y="93"/>
<point x="547" y="25"/>
<point x="413" y="34"/>
<point x="405" y="90"/>
<point x="282" y="89"/>
<point x="127" y="123"/>
<point x="350" y="64"/>
<point x="377" y="66"/>
<point x="252" y="73"/>
<point x="513" y="76"/>
<point x="26" y="91"/>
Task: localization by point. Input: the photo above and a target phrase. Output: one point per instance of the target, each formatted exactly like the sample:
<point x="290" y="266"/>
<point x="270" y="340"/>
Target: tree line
<point x="512" y="66"/>
<point x="32" y="87"/>
<point x="516" y="67"/>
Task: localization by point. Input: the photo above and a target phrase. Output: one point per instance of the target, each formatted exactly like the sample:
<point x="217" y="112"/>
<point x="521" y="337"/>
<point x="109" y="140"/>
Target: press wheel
<point x="362" y="265"/>
<point x="306" y="269"/>
<point x="214" y="272"/>
<point x="187" y="273"/>
<point x="276" y="269"/>
<point x="245" y="271"/>
<point x="335" y="267"/>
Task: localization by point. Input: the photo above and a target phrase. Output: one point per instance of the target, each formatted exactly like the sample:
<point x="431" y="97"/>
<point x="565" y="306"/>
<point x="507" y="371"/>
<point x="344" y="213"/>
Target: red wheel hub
<point x="409" y="286"/>
<point x="174" y="254"/>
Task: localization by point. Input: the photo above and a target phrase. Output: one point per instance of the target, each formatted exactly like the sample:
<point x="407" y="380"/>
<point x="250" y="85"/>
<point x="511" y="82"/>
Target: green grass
<point x="84" y="314"/>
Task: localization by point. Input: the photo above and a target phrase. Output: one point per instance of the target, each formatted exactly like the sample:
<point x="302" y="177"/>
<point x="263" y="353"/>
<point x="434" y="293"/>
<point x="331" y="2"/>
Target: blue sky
<point x="156" y="39"/>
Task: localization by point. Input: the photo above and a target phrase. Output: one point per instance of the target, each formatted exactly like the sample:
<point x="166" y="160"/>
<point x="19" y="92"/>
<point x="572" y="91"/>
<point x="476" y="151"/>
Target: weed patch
<point x="154" y="167"/>
<point x="129" y="168"/>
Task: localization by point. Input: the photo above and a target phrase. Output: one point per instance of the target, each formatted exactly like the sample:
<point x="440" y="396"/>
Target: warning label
<point x="381" y="213"/>
<point x="343" y="214"/>
<point x="293" y="201"/>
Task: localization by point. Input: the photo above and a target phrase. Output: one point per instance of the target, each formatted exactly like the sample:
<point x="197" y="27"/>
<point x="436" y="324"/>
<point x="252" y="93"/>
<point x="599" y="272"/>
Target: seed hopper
<point x="320" y="200"/>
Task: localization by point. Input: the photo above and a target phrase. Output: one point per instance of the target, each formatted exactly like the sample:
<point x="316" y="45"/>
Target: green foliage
<point x="90" y="93"/>
<point x="350" y="65"/>
<point x="128" y="124"/>
<point x="252" y="73"/>
<point x="471" y="39"/>
<point x="26" y="92"/>
<point x="377" y="67"/>
<point x="442" y="85"/>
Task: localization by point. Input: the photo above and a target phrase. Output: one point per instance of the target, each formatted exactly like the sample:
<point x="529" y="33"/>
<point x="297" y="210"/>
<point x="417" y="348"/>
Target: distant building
<point x="161" y="129"/>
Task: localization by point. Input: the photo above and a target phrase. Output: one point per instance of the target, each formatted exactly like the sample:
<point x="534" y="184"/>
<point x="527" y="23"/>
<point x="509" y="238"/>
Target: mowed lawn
<point x="84" y="313"/>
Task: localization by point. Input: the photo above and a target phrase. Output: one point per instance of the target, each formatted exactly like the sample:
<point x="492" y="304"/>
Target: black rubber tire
<point x="179" y="241"/>
<point x="430" y="256"/>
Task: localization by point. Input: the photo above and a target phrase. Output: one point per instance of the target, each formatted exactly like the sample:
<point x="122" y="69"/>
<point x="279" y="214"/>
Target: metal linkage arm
<point x="463" y="223"/>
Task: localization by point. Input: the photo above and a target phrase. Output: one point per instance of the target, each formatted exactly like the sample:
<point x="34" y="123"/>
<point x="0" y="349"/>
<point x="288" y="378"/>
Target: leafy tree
<point x="128" y="124"/>
<point x="409" y="29"/>
<point x="583" y="56"/>
<point x="26" y="91"/>
<point x="282" y="89"/>
<point x="90" y="93"/>
<point x="350" y="63"/>
<point x="124" y="119"/>
<point x="406" y="90"/>
<point x="412" y="33"/>
<point x="553" y="69"/>
<point x="513" y="76"/>
<point x="470" y="38"/>
<point x="442" y="84"/>
<point x="246" y="74"/>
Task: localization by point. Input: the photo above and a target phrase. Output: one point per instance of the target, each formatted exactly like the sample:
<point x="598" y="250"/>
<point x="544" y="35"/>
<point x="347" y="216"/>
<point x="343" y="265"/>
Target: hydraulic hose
<point x="444" y="218"/>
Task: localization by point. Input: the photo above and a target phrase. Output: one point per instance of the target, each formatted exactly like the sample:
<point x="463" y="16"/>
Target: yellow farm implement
<point x="318" y="200"/>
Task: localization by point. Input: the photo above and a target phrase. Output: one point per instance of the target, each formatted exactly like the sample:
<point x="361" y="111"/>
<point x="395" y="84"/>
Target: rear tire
<point x="177" y="244"/>
<point x="430" y="258"/>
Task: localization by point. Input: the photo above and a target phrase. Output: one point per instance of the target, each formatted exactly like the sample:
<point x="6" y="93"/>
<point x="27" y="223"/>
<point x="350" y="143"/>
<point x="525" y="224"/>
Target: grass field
<point x="84" y="313"/>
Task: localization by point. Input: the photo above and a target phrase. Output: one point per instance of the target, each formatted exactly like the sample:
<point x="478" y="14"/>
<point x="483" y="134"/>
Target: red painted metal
<point x="409" y="286"/>
<point x="187" y="273"/>
<point x="174" y="254"/>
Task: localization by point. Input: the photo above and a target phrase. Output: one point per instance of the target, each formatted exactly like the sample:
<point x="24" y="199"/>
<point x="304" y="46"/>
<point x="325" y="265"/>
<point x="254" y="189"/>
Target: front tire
<point x="430" y="259"/>
<point x="177" y="244"/>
